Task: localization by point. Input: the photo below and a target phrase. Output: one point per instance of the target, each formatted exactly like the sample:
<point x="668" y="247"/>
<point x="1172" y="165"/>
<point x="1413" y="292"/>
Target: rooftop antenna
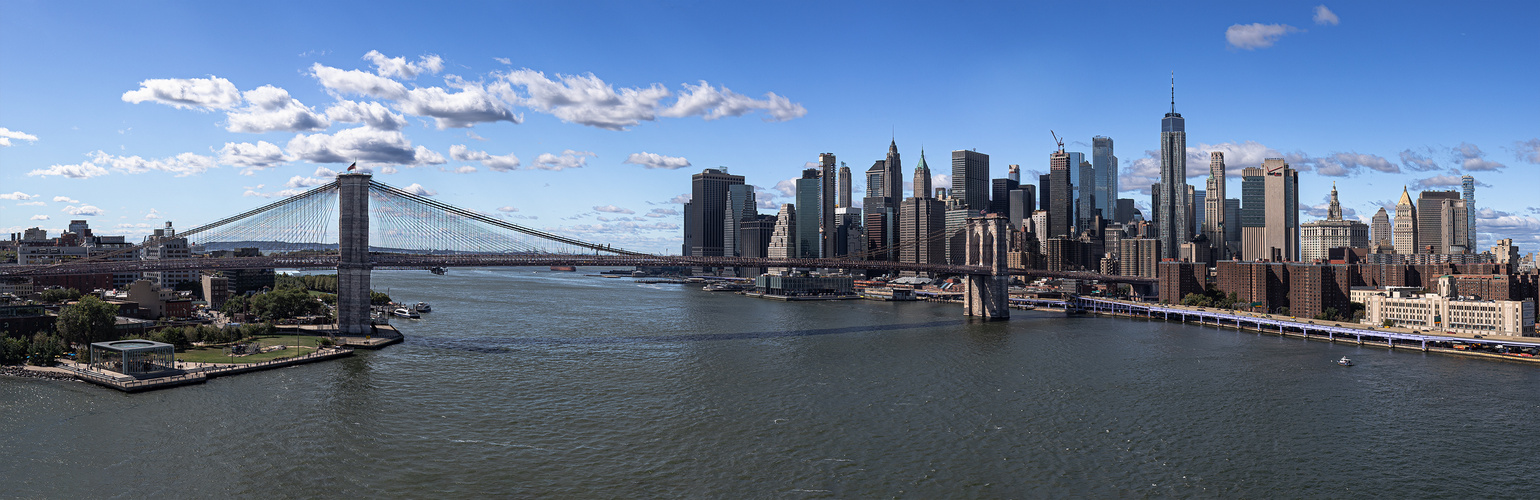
<point x="1056" y="139"/>
<point x="1173" y="92"/>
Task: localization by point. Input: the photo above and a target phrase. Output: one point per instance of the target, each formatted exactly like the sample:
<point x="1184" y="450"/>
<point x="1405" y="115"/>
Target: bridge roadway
<point x="423" y="261"/>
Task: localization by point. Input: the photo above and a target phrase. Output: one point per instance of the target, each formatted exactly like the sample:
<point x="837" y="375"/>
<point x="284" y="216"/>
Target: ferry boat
<point x="406" y="313"/>
<point x="1345" y="361"/>
<point x="422" y="307"/>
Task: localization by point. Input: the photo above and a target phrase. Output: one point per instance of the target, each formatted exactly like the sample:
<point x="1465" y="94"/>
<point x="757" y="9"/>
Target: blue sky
<point x="578" y="118"/>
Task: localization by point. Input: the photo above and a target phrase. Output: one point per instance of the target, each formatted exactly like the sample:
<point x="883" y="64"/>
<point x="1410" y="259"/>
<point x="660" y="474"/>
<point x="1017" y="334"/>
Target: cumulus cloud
<point x="1437" y="181"/>
<point x="362" y="144"/>
<point x="1340" y="164"/>
<point x="398" y="67"/>
<point x="40" y="217"/>
<point x="583" y="99"/>
<point x="507" y="209"/>
<point x="31" y="204"/>
<point x="612" y="209"/>
<point x="1325" y="16"/>
<point x="712" y="103"/>
<point x="372" y="114"/>
<point x="662" y="212"/>
<point x="1471" y="157"/>
<point x="321" y="176"/>
<point x="567" y="159"/>
<point x="501" y="163"/>
<point x="1418" y="162"/>
<point x="17" y="196"/>
<point x="182" y="165"/>
<point x="83" y="210"/>
<point x="154" y="214"/>
<point x="681" y="199"/>
<point x="65" y="199"/>
<point x="270" y="109"/>
<point x="253" y="157"/>
<point x="471" y="105"/>
<point x="1256" y="35"/>
<point x="465" y="169"/>
<point x="7" y="134"/>
<point x="1528" y="151"/>
<point x="786" y="188"/>
<point x="355" y="82"/>
<point x="187" y="93"/>
<point x="1494" y="224"/>
<point x="418" y="190"/>
<point x="654" y="160"/>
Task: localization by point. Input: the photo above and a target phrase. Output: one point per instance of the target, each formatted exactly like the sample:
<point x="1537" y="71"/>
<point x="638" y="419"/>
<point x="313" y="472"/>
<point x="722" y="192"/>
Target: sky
<point x="588" y="119"/>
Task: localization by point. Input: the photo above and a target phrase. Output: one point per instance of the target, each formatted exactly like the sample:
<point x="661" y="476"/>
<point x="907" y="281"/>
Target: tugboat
<point x="1345" y="361"/>
<point x="422" y="307"/>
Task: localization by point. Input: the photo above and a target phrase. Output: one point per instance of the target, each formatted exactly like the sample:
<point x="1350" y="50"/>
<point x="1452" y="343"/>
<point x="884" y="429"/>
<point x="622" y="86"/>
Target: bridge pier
<point x="353" y="263"/>
<point x="988" y="295"/>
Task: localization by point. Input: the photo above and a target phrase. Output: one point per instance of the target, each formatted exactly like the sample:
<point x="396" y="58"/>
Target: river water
<point x="536" y="383"/>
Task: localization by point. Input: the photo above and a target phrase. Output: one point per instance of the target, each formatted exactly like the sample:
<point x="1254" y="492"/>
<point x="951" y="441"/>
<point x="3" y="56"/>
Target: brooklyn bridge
<point x="373" y="225"/>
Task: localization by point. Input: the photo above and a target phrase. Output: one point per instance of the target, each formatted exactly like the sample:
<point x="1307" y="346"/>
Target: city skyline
<point x="100" y="130"/>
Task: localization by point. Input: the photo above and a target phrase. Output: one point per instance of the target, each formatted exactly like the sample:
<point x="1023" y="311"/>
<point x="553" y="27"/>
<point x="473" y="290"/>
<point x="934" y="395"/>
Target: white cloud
<point x="501" y="163"/>
<point x="681" y="199"/>
<point x="1418" y="162"/>
<point x="84" y="210"/>
<point x="17" y="196"/>
<point x="153" y="214"/>
<point x="471" y="105"/>
<point x="182" y="165"/>
<point x="467" y="169"/>
<point x="1471" y="157"/>
<point x="7" y="134"/>
<point x="271" y="109"/>
<point x="1437" y="181"/>
<point x="567" y="159"/>
<point x="1256" y="35"/>
<point x="187" y="93"/>
<point x="507" y="209"/>
<point x="372" y="114"/>
<point x="388" y="169"/>
<point x="362" y="144"/>
<point x="612" y="209"/>
<point x="31" y="204"/>
<point x="712" y="103"/>
<point x="583" y="99"/>
<point x="321" y="176"/>
<point x="65" y="199"/>
<point x="1325" y="16"/>
<point x="397" y="67"/>
<point x="254" y="157"/>
<point x="662" y="212"/>
<point x="503" y="60"/>
<point x="1523" y="150"/>
<point x="654" y="160"/>
<point x="40" y="217"/>
<point x="418" y="190"/>
<point x="357" y="82"/>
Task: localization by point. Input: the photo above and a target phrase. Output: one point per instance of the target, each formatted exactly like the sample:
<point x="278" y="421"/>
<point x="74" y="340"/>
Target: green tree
<point x="89" y="320"/>
<point x="1196" y="300"/>
<point x="1387" y="323"/>
<point x="378" y="299"/>
<point x="57" y="295"/>
<point x="45" y="349"/>
<point x="1328" y="314"/>
<point x="13" y="351"/>
<point x="234" y="305"/>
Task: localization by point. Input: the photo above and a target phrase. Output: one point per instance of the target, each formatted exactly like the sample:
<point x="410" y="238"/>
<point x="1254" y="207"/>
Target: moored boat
<point x="406" y="313"/>
<point x="422" y="307"/>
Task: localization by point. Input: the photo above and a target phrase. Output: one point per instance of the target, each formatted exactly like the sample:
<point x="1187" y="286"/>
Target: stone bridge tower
<point x="988" y="294"/>
<point x="353" y="265"/>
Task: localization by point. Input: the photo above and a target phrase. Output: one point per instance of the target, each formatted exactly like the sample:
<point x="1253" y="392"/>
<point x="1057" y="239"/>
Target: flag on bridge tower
<point x="353" y="167"/>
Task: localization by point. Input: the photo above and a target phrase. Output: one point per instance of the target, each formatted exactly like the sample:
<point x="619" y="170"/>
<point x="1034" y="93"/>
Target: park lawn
<point x="298" y="345"/>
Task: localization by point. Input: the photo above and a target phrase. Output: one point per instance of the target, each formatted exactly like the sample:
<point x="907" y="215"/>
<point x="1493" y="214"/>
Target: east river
<point x="529" y="382"/>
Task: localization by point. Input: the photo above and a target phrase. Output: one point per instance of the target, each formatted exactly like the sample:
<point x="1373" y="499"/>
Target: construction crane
<point x="1056" y="139"/>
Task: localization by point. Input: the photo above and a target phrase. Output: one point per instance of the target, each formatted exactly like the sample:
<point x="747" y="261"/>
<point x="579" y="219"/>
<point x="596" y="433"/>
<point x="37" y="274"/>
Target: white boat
<point x="406" y="313"/>
<point x="1345" y="361"/>
<point x="422" y="307"/>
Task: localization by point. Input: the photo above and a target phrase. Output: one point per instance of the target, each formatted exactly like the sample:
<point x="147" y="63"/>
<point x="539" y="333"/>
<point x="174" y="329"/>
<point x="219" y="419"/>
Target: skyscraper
<point x="809" y="245"/>
<point x="922" y="178"/>
<point x="1061" y="207"/>
<point x="1000" y="195"/>
<point x="1469" y="184"/>
<point x="1106" y="167"/>
<point x="1085" y="193"/>
<point x="1042" y="191"/>
<point x="895" y="176"/>
<point x="921" y="220"/>
<point x="741" y="206"/>
<point x="783" y="239"/>
<point x="879" y="210"/>
<point x="1379" y="229"/>
<point x="1171" y="215"/>
<point x="1282" y="212"/>
<point x="844" y="196"/>
<point x="1318" y="237"/>
<point x="1405" y="228"/>
<point x="1214" y="205"/>
<point x="708" y="210"/>
<point x="1013" y="172"/>
<point x="970" y="178"/>
<point x="1435" y="229"/>
<point x="826" y="195"/>
<point x="1253" y="214"/>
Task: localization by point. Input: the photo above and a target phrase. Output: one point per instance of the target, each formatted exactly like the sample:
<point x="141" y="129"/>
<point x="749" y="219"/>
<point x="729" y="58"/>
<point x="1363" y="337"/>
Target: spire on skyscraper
<point x="1173" y="92"/>
<point x="1334" y="210"/>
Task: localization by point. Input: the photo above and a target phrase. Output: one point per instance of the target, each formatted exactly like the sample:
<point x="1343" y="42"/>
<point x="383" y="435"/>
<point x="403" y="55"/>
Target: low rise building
<point x="806" y="285"/>
<point x="1408" y="309"/>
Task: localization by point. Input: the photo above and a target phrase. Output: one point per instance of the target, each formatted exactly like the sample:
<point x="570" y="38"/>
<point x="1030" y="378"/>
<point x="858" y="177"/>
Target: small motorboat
<point x="1345" y="361"/>
<point x="437" y="270"/>
<point x="406" y="313"/>
<point x="422" y="307"/>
